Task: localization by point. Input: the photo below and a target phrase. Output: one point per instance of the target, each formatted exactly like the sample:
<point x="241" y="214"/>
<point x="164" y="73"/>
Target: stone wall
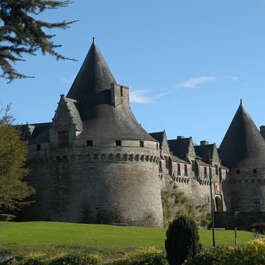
<point x="245" y="190"/>
<point x="119" y="185"/>
<point x="241" y="220"/>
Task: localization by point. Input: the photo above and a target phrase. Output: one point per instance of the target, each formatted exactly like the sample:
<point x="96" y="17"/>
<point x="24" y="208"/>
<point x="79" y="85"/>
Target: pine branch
<point x="21" y="33"/>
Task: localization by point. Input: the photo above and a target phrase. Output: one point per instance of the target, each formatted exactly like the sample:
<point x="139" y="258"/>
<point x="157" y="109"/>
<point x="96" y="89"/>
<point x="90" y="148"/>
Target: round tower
<point x="243" y="152"/>
<point x="98" y="164"/>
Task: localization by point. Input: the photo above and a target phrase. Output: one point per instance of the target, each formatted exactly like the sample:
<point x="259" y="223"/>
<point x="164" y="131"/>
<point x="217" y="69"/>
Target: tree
<point x="13" y="151"/>
<point x="182" y="240"/>
<point x="21" y="33"/>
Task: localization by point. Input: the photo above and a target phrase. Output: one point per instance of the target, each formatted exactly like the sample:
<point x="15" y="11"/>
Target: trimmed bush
<point x="182" y="240"/>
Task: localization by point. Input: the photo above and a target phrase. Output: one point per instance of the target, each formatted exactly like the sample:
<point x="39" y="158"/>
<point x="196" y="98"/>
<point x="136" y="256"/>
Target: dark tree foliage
<point x="182" y="240"/>
<point x="21" y="33"/>
<point x="13" y="151"/>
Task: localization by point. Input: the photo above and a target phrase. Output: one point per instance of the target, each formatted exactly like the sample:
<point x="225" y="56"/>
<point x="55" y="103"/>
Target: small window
<point x="118" y="142"/>
<point x="38" y="147"/>
<point x="238" y="171"/>
<point x="179" y="172"/>
<point x="193" y="165"/>
<point x="63" y="139"/>
<point x="185" y="170"/>
<point x="160" y="166"/>
<point x="254" y="170"/>
<point x="121" y="91"/>
<point x="216" y="169"/>
<point x="141" y="143"/>
<point x="205" y="172"/>
<point x="89" y="143"/>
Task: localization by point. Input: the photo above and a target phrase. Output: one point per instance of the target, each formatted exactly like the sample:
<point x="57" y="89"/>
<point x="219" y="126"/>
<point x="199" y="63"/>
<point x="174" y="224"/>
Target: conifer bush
<point x="182" y="240"/>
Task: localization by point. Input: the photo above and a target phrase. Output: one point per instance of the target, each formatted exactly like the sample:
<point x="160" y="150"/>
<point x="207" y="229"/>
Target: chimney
<point x="180" y="137"/>
<point x="262" y="130"/>
<point x="204" y="142"/>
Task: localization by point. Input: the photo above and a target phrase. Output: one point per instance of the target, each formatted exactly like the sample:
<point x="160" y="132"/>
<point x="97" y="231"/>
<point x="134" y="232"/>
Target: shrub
<point x="252" y="253"/>
<point x="7" y="217"/>
<point x="64" y="259"/>
<point x="75" y="260"/>
<point x="258" y="227"/>
<point x="143" y="257"/>
<point x="182" y="240"/>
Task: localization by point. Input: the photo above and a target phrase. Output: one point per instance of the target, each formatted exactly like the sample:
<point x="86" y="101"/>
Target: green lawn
<point x="51" y="234"/>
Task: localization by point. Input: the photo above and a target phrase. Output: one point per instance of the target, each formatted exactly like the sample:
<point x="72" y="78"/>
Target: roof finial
<point x="93" y="40"/>
<point x="241" y="101"/>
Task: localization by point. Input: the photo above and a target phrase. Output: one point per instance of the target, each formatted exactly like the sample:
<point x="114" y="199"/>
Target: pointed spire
<point x="242" y="146"/>
<point x="94" y="76"/>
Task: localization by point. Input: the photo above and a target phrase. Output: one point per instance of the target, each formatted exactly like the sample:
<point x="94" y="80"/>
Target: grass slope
<point x="17" y="235"/>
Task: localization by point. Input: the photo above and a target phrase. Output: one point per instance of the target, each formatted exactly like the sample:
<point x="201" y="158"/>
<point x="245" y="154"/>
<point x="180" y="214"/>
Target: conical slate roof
<point x="92" y="91"/>
<point x="93" y="77"/>
<point x="243" y="145"/>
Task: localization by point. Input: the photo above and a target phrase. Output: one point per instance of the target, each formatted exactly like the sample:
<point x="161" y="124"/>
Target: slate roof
<point x="93" y="79"/>
<point x="179" y="147"/>
<point x="243" y="145"/>
<point x="205" y="152"/>
<point x="35" y="133"/>
<point x="201" y="163"/>
<point x="92" y="91"/>
<point x="178" y="160"/>
<point x="158" y="136"/>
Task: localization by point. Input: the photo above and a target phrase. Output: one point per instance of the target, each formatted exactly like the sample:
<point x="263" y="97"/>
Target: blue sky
<point x="187" y="62"/>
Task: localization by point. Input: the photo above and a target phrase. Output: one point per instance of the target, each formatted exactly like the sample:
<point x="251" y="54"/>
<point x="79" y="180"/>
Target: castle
<point x="94" y="163"/>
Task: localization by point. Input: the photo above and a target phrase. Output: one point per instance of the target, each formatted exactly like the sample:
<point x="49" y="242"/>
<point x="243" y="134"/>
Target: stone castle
<point x="94" y="163"/>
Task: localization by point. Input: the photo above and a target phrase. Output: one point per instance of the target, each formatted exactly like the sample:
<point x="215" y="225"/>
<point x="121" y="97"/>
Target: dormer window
<point x="118" y="142"/>
<point x="141" y="143"/>
<point x="63" y="139"/>
<point x="89" y="143"/>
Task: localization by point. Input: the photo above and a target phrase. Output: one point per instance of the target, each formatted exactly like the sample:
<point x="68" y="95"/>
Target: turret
<point x="102" y="165"/>
<point x="243" y="152"/>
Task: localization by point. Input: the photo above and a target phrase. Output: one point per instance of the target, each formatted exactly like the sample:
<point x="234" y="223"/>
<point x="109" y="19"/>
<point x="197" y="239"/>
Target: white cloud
<point x="142" y="97"/>
<point x="234" y="78"/>
<point x="196" y="81"/>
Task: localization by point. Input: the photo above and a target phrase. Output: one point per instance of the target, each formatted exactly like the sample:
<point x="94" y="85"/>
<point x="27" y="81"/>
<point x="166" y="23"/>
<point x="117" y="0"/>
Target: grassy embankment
<point x="34" y="236"/>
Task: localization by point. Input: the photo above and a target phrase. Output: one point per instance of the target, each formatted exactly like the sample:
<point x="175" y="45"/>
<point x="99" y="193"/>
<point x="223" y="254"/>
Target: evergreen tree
<point x="21" y="33"/>
<point x="182" y="240"/>
<point x="13" y="151"/>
